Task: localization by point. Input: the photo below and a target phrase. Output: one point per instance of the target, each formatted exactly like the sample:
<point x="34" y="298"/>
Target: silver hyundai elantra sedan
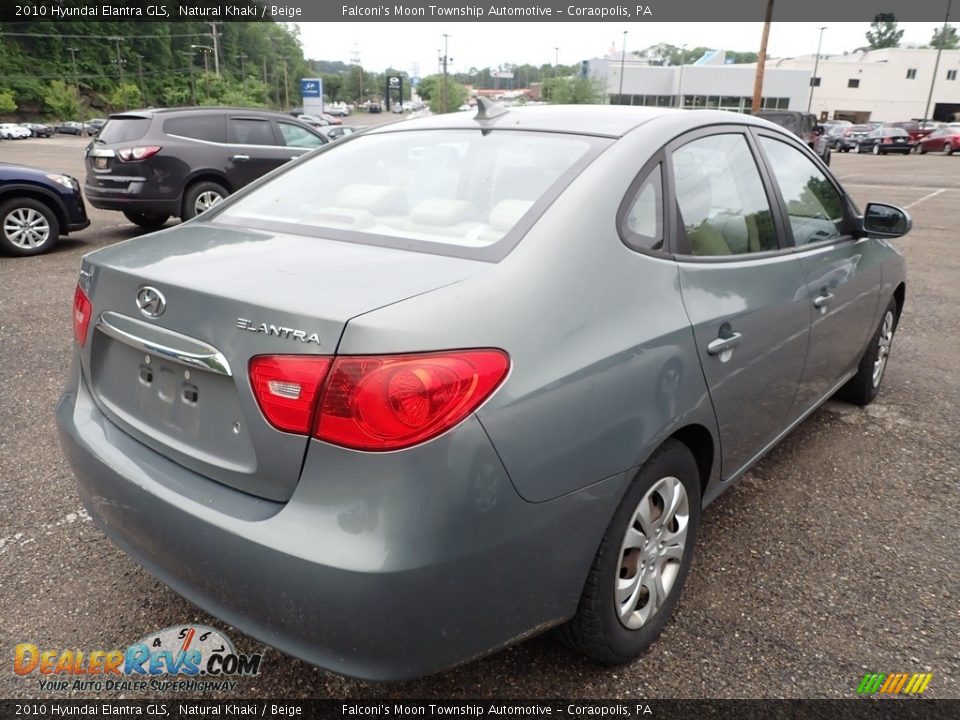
<point x="454" y="381"/>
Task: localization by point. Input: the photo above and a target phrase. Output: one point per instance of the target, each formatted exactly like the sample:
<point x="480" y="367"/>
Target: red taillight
<point x="82" y="311"/>
<point x="392" y="402"/>
<point x="375" y="403"/>
<point x="138" y="153"/>
<point x="886" y="141"/>
<point x="286" y="388"/>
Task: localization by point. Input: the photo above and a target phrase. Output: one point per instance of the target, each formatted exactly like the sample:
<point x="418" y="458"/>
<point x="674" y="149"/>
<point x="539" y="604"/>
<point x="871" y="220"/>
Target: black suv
<point x="804" y="126"/>
<point x="151" y="164"/>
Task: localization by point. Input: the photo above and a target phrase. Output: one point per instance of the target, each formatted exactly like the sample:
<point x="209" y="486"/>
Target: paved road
<point x="836" y="556"/>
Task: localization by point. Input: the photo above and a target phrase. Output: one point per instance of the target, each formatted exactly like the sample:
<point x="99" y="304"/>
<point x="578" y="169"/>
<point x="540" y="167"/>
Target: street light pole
<point x="936" y="65"/>
<point x="143" y="88"/>
<point x="445" y="59"/>
<point x="119" y="59"/>
<point x="816" y="64"/>
<point x="623" y="57"/>
<point x="556" y="61"/>
<point x="216" y="48"/>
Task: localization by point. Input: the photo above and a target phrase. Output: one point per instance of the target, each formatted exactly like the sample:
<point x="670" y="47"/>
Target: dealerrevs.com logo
<point x="187" y="658"/>
<point x="894" y="683"/>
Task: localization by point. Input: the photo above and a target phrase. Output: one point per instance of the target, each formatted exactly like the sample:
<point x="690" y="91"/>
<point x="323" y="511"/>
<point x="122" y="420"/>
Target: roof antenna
<point x="487" y="109"/>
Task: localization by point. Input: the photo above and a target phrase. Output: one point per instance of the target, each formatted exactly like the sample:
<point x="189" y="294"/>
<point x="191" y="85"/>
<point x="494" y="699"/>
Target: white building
<point x="708" y="83"/>
<point x="886" y="85"/>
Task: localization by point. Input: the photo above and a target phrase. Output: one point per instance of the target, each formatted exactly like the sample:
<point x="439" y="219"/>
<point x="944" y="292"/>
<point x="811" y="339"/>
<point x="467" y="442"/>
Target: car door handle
<point x="724" y="343"/>
<point x="821" y="301"/>
<point x="240" y="157"/>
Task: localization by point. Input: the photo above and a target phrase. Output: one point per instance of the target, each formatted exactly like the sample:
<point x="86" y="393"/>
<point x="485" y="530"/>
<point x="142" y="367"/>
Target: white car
<point x="10" y="131"/>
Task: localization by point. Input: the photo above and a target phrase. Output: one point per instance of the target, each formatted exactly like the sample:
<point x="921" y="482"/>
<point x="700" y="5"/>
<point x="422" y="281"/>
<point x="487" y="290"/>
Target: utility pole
<point x="76" y="80"/>
<point x="243" y="76"/>
<point x="286" y="87"/>
<point x="623" y="56"/>
<point x="936" y="65"/>
<point x="265" y="84"/>
<point x="193" y="81"/>
<point x="216" y="47"/>
<point x="119" y="59"/>
<point x="556" y="61"/>
<point x="143" y="88"/>
<point x="683" y="62"/>
<point x="761" y="60"/>
<point x="445" y="60"/>
<point x="816" y="64"/>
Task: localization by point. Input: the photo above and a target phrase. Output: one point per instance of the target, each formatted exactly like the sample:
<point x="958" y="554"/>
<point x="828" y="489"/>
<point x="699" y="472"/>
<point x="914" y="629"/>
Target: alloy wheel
<point x="652" y="552"/>
<point x="206" y="200"/>
<point x="26" y="228"/>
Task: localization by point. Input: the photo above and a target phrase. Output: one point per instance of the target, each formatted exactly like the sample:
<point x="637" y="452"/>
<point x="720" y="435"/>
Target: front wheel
<point x="876" y="149"/>
<point x="640" y="567"/>
<point x="27" y="227"/>
<point x="863" y="387"/>
<point x="856" y="148"/>
<point x="948" y="149"/>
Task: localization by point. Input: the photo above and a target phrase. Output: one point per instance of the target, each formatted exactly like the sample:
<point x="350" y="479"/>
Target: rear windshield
<point x="447" y="191"/>
<point x="123" y="129"/>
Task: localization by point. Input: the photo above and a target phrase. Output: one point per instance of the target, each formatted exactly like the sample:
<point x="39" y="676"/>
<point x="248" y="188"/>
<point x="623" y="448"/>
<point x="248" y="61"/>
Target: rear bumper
<point x="130" y="198"/>
<point x="381" y="566"/>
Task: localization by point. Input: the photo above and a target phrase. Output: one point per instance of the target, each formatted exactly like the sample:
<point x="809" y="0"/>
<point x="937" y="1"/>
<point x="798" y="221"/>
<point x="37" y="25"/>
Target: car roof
<point x="150" y="112"/>
<point x="604" y="120"/>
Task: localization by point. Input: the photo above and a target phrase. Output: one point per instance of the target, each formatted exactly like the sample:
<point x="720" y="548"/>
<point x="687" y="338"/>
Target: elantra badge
<point x="151" y="302"/>
<point x="279" y="331"/>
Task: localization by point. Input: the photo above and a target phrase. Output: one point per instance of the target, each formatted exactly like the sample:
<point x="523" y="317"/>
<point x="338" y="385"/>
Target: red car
<point x="944" y="140"/>
<point x="917" y="130"/>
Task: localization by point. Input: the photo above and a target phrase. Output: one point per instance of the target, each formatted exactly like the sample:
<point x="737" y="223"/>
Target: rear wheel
<point x="27" y="227"/>
<point x="863" y="387"/>
<point x="921" y="149"/>
<point x="202" y="196"/>
<point x="948" y="148"/>
<point x="639" y="570"/>
<point x="856" y="148"/>
<point x="145" y="220"/>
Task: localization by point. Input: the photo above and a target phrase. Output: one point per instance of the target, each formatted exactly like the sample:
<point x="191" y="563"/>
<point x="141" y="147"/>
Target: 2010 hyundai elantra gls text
<point x="455" y="381"/>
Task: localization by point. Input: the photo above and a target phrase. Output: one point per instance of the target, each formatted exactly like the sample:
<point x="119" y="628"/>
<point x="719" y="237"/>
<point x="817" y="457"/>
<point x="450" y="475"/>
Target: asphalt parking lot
<point x="836" y="556"/>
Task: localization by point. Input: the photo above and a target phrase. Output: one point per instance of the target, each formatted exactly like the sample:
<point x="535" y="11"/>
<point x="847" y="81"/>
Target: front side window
<point x="462" y="188"/>
<point x="814" y="206"/>
<point x="296" y="136"/>
<point x="723" y="207"/>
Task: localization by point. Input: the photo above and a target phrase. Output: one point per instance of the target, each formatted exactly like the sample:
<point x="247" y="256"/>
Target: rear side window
<point x="124" y="129"/>
<point x="453" y="188"/>
<point x="722" y="203"/>
<point x="211" y="128"/>
<point x="643" y="222"/>
<point x="249" y="131"/>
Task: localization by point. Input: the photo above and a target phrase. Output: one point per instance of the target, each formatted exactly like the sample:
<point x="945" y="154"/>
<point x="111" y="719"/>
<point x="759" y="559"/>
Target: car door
<point x="842" y="273"/>
<point x="254" y="149"/>
<point x="297" y="139"/>
<point x="743" y="288"/>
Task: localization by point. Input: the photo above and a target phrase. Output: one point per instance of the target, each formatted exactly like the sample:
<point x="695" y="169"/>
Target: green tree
<point x="431" y="90"/>
<point x="884" y="32"/>
<point x="61" y="99"/>
<point x="572" y="91"/>
<point x="8" y="102"/>
<point x="945" y="37"/>
<point x="125" y="97"/>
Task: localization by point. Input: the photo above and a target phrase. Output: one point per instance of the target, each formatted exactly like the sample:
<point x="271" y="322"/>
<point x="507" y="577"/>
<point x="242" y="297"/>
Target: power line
<point x="102" y="37"/>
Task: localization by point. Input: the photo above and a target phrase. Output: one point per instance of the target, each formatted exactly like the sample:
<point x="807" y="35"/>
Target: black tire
<point x="864" y="387"/>
<point x="877" y="150"/>
<point x="145" y="220"/>
<point x="596" y="630"/>
<point x="20" y="208"/>
<point x="195" y="192"/>
<point x="948" y="148"/>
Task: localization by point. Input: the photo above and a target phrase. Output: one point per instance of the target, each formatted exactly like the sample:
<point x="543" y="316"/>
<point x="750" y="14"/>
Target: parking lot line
<point x="925" y="197"/>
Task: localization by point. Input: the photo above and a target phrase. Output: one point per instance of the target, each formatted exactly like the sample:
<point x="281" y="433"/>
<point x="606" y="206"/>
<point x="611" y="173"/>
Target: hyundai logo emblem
<point x="151" y="302"/>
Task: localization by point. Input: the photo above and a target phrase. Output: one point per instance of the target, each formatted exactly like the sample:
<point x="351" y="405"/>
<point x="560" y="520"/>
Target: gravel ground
<point x="835" y="556"/>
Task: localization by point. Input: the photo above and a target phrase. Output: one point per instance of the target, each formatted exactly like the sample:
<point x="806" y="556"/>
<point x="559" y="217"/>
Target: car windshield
<point x="427" y="190"/>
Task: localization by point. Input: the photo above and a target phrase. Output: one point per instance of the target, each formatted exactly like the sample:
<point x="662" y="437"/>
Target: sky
<point x="414" y="46"/>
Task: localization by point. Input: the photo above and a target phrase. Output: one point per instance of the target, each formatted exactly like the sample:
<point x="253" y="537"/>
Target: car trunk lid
<point x="177" y="378"/>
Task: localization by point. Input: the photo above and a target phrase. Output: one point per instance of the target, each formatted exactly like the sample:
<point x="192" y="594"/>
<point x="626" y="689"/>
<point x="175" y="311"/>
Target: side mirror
<point x="886" y="221"/>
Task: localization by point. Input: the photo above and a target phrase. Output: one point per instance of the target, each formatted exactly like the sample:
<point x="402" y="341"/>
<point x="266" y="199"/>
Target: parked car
<point x="803" y="125"/>
<point x="946" y="140"/>
<point x="883" y="140"/>
<point x="38" y="129"/>
<point x="374" y="427"/>
<point x="153" y="164"/>
<point x="12" y="131"/>
<point x="337" y="110"/>
<point x="331" y="119"/>
<point x="850" y="140"/>
<point x="314" y="121"/>
<point x="336" y="132"/>
<point x="832" y="135"/>
<point x="915" y="129"/>
<point x="73" y="127"/>
<point x="374" y="107"/>
<point x="37" y="207"/>
<point x="97" y="123"/>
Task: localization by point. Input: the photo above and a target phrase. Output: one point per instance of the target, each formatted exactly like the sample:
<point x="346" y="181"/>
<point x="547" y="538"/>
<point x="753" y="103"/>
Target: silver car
<point x="452" y="382"/>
